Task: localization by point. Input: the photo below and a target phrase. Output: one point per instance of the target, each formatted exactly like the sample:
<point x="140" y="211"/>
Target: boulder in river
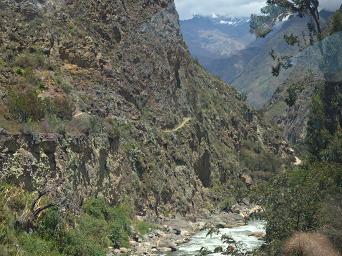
<point x="257" y="234"/>
<point x="165" y="245"/>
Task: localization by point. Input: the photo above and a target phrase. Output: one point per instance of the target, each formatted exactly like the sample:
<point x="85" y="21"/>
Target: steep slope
<point x="102" y="98"/>
<point x="256" y="79"/>
<point x="293" y="119"/>
<point x="249" y="69"/>
<point x="314" y="69"/>
<point x="310" y="111"/>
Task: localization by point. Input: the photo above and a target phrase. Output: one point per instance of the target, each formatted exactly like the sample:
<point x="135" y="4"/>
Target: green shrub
<point x="336" y="22"/>
<point x="262" y="162"/>
<point x="120" y="229"/>
<point x="143" y="227"/>
<point x="291" y="39"/>
<point x="332" y="219"/>
<point x="118" y="218"/>
<point x="96" y="207"/>
<point x="292" y="95"/>
<point x="96" y="229"/>
<point x="62" y="106"/>
<point x="30" y="60"/>
<point x="324" y="126"/>
<point x="33" y="245"/>
<point x="90" y="233"/>
<point x="77" y="244"/>
<point x="227" y="203"/>
<point x="118" y="236"/>
<point x="293" y="202"/>
<point x="25" y="105"/>
<point x="96" y="124"/>
<point x="2" y="63"/>
<point x="30" y="77"/>
<point x="19" y="71"/>
<point x="7" y="233"/>
<point x="50" y="224"/>
<point x="333" y="151"/>
<point x="64" y="85"/>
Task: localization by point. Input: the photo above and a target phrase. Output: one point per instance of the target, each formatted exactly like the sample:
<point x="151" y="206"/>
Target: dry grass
<point x="310" y="244"/>
<point x="72" y="69"/>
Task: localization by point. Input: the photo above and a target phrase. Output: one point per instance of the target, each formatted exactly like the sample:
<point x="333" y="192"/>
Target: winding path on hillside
<point x="180" y="126"/>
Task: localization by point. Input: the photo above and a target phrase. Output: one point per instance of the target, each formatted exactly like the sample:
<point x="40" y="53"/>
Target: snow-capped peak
<point x="227" y="22"/>
<point x="223" y="20"/>
<point x="233" y="21"/>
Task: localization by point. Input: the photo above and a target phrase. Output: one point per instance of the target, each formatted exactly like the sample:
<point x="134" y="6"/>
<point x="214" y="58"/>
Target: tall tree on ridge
<point x="278" y="10"/>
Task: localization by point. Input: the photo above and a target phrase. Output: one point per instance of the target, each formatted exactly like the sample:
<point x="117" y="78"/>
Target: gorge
<point x="114" y="140"/>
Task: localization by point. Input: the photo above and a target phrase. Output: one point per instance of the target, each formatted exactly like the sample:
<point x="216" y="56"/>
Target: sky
<point x="233" y="8"/>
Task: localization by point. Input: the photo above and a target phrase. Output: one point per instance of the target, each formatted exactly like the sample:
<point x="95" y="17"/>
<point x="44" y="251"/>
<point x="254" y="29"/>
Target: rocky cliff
<point x="315" y="68"/>
<point x="102" y="98"/>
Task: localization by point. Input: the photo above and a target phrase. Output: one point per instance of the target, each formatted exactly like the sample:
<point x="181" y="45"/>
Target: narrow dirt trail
<point x="180" y="126"/>
<point x="298" y="161"/>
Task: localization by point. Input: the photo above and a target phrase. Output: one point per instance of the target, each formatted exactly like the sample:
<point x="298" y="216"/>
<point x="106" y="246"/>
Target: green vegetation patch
<point x="298" y="201"/>
<point x="143" y="227"/>
<point x="30" y="60"/>
<point x="98" y="226"/>
<point x="26" y="105"/>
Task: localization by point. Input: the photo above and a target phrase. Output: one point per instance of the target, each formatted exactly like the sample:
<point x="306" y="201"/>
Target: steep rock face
<point x="315" y="68"/>
<point x="293" y="119"/>
<point x="102" y="98"/>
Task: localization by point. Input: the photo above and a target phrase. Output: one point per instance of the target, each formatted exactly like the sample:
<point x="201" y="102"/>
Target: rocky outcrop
<point x="315" y="67"/>
<point x="293" y="119"/>
<point x="120" y="108"/>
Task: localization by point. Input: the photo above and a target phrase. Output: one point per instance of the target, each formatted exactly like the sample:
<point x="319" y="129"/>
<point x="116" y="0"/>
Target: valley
<point x="248" y="68"/>
<point x="127" y="131"/>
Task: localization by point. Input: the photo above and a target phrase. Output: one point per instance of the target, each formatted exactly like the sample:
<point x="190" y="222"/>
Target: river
<point x="239" y="234"/>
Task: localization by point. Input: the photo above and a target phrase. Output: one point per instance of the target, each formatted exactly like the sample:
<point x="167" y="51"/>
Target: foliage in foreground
<point x="308" y="198"/>
<point x="56" y="233"/>
<point x="298" y="201"/>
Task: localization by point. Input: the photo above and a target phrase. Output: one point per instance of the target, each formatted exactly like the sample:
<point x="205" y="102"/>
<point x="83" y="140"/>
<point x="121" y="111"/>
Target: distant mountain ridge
<point x="247" y="67"/>
<point x="215" y="37"/>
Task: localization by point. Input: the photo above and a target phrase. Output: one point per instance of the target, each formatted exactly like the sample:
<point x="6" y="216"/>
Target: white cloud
<point x="187" y="8"/>
<point x="234" y="8"/>
<point x="331" y="5"/>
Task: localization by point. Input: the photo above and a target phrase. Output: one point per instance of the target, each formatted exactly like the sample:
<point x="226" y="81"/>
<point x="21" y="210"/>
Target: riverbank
<point x="179" y="230"/>
<point x="173" y="233"/>
<point x="243" y="239"/>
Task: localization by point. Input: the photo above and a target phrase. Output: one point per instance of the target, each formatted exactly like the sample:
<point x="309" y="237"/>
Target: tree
<point x="292" y="96"/>
<point x="292" y="202"/>
<point x="336" y="23"/>
<point x="278" y="10"/>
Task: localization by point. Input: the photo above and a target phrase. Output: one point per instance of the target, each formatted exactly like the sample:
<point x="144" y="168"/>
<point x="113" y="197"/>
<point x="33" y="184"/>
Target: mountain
<point x="308" y="108"/>
<point x="249" y="69"/>
<point x="291" y="105"/>
<point x="214" y="37"/>
<point x="103" y="99"/>
<point x="257" y="80"/>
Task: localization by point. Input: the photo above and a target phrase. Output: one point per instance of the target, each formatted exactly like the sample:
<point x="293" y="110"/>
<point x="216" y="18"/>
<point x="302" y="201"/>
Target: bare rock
<point x="247" y="179"/>
<point x="258" y="234"/>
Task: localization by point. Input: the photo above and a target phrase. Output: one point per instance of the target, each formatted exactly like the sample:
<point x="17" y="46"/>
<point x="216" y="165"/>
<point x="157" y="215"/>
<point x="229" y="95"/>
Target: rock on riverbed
<point x="174" y="232"/>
